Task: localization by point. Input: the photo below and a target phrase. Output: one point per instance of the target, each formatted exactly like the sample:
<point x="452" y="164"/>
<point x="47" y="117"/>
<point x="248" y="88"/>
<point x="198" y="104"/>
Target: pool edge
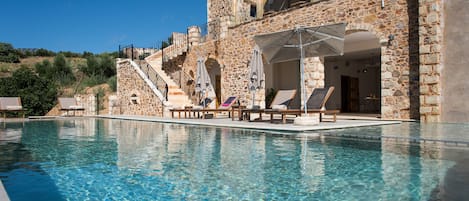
<point x="3" y="193"/>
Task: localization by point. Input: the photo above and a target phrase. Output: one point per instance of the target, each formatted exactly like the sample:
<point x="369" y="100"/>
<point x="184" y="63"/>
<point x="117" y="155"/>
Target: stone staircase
<point x="177" y="98"/>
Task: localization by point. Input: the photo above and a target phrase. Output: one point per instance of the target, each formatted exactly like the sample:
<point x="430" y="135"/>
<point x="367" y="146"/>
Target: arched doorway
<point x="213" y="68"/>
<point x="356" y="75"/>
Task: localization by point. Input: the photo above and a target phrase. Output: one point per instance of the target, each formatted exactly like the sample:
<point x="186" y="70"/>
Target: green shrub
<point x="100" y="93"/>
<point x="100" y="65"/>
<point x="4" y="68"/>
<point x="91" y="81"/>
<point x="60" y="71"/>
<point x="44" y="53"/>
<point x="8" y="53"/>
<point x="38" y="95"/>
<point x="112" y="82"/>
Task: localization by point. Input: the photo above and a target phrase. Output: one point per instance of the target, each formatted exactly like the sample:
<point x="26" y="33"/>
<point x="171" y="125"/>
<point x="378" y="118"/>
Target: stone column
<point x="225" y="22"/>
<point x="314" y="75"/>
<point x="260" y="8"/>
<point x="430" y="42"/>
<point x="194" y="35"/>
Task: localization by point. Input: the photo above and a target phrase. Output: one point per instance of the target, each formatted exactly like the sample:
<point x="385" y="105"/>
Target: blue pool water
<point x="96" y="159"/>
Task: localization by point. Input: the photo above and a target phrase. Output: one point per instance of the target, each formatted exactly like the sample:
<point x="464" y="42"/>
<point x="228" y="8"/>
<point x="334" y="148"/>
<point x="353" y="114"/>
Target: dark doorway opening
<point x="350" y="94"/>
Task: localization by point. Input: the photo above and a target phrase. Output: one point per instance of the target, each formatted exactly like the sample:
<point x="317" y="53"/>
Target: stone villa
<point x="403" y="59"/>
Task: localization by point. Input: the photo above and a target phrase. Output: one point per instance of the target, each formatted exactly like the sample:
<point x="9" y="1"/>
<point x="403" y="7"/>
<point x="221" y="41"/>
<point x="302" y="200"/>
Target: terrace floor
<point x="224" y="121"/>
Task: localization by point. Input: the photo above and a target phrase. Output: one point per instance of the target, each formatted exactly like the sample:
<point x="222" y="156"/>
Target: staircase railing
<point x="155" y="78"/>
<point x="184" y="81"/>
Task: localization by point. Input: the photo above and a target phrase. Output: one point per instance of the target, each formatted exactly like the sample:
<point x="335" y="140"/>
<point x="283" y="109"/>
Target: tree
<point x="60" y="71"/>
<point x="108" y="65"/>
<point x="41" y="52"/>
<point x="38" y="95"/>
<point x="8" y="53"/>
<point x="100" y="65"/>
<point x="44" y="69"/>
<point x="69" y="54"/>
<point x="87" y="54"/>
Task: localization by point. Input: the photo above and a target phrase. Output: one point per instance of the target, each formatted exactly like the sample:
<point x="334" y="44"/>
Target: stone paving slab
<point x="264" y="125"/>
<point x="3" y="193"/>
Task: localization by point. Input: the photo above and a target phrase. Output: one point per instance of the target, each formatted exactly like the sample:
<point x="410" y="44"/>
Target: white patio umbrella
<point x="257" y="72"/>
<point x="202" y="79"/>
<point x="301" y="42"/>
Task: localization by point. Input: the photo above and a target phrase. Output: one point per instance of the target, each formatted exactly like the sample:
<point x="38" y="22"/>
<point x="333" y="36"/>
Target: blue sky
<point x="95" y="25"/>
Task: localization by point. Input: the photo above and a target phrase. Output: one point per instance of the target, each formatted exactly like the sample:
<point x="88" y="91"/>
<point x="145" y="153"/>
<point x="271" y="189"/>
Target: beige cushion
<point x="75" y="107"/>
<point x="14" y="107"/>
<point x="197" y="107"/>
<point x="279" y="107"/>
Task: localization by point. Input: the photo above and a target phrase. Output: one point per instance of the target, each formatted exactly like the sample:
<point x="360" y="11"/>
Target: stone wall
<point x="88" y="101"/>
<point x="430" y="41"/>
<point x="134" y="95"/>
<point x="233" y="51"/>
<point x="218" y="8"/>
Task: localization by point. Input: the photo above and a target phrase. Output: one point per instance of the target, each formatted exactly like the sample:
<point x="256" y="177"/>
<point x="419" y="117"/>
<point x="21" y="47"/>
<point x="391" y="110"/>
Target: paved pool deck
<point x="260" y="125"/>
<point x="3" y="193"/>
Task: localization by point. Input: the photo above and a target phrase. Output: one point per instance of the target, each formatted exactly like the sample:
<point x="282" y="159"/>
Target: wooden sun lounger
<point x="224" y="107"/>
<point x="315" y="104"/>
<point x="11" y="104"/>
<point x="282" y="98"/>
<point x="70" y="104"/>
<point x="298" y="112"/>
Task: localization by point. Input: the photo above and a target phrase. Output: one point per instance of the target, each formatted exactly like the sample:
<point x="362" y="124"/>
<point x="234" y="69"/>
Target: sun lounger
<point x="70" y="104"/>
<point x="224" y="107"/>
<point x="281" y="101"/>
<point x="11" y="104"/>
<point x="315" y="104"/>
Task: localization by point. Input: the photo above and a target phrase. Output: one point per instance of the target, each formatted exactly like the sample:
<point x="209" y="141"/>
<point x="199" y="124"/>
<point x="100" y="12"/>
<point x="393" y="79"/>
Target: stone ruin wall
<point x="233" y="51"/>
<point x="129" y="82"/>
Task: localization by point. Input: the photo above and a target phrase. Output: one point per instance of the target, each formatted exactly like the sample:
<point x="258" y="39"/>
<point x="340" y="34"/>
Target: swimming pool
<point x="102" y="159"/>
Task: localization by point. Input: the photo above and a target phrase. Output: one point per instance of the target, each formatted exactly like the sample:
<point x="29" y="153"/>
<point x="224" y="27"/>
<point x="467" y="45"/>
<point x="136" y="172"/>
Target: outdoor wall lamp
<point x="390" y="39"/>
<point x="382" y="4"/>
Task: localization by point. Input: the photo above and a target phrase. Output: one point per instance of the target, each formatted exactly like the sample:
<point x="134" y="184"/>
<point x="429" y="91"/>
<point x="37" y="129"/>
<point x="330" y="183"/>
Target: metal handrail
<point x="155" y="78"/>
<point x="184" y="81"/>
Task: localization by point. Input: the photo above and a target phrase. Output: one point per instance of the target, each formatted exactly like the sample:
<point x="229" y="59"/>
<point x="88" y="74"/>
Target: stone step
<point x="176" y="96"/>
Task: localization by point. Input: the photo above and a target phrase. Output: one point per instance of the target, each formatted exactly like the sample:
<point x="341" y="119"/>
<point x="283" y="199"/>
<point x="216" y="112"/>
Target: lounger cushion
<point x="198" y="107"/>
<point x="14" y="107"/>
<point x="74" y="107"/>
<point x="279" y="107"/>
<point x="229" y="101"/>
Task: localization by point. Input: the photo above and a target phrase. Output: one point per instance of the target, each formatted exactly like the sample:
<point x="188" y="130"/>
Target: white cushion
<point x="197" y="107"/>
<point x="75" y="107"/>
<point x="279" y="107"/>
<point x="14" y="107"/>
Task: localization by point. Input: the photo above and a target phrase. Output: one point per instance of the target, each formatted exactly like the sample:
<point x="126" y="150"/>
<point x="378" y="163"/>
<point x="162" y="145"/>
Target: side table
<point x="237" y="108"/>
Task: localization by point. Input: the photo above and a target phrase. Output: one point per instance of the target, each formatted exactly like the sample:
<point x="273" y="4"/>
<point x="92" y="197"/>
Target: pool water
<point x="101" y="159"/>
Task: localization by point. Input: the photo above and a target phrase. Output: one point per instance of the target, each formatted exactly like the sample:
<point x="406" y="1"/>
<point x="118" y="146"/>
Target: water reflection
<point x="197" y="163"/>
<point x="256" y="164"/>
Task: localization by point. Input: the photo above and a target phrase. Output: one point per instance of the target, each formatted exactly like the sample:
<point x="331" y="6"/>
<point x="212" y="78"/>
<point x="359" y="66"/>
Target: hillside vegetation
<point x="40" y="76"/>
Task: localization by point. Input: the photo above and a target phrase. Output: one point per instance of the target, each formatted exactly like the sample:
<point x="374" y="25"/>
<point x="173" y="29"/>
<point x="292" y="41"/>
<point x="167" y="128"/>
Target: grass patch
<point x="91" y="81"/>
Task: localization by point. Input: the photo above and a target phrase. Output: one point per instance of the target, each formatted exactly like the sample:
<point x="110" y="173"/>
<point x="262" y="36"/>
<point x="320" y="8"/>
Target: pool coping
<point x="3" y="193"/>
<point x="226" y="122"/>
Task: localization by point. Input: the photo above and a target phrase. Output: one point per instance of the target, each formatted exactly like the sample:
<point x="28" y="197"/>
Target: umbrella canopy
<point x="301" y="42"/>
<point x="202" y="79"/>
<point x="257" y="70"/>
<point x="256" y="75"/>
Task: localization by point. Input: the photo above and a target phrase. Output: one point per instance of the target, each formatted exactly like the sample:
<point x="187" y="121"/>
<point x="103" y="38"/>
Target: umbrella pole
<point x="253" y="98"/>
<point x="302" y="68"/>
<point x="204" y="100"/>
